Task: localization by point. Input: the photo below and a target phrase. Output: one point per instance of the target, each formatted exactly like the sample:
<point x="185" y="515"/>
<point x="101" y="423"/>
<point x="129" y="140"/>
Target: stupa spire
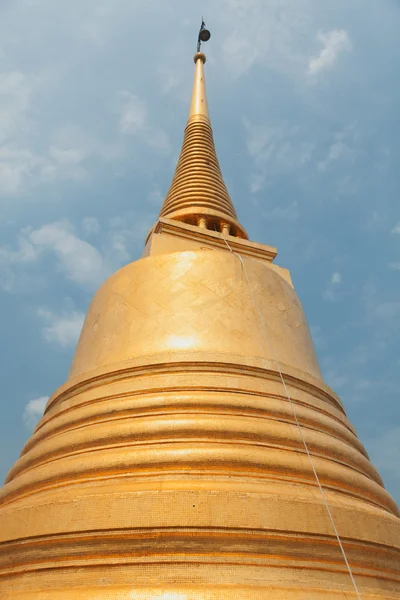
<point x="198" y="195"/>
<point x="199" y="105"/>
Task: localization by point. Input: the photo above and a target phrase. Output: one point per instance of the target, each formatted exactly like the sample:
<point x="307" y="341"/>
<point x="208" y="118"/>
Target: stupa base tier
<point x="176" y="481"/>
<point x="182" y="579"/>
<point x="226" y="418"/>
<point x="117" y="545"/>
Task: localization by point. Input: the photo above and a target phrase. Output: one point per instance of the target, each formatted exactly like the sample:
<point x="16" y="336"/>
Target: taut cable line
<point x="271" y="348"/>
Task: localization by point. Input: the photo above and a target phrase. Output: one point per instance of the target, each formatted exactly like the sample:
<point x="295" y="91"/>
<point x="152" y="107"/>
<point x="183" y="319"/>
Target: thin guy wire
<point x="297" y="421"/>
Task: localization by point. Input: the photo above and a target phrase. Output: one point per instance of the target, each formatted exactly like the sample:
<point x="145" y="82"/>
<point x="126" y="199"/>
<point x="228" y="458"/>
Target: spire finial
<point x="204" y="34"/>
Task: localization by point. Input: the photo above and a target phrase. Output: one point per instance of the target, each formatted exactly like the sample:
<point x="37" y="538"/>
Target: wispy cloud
<point x="62" y="329"/>
<point x="343" y="147"/>
<point x="332" y="292"/>
<point x="269" y="33"/>
<point x="395" y="266"/>
<point x="17" y="167"/>
<point x="77" y="259"/>
<point x="170" y="79"/>
<point x="33" y="411"/>
<point x="133" y="117"/>
<point x="23" y="161"/>
<point x="65" y="158"/>
<point x="287" y="211"/>
<point x="275" y="150"/>
<point x="71" y="150"/>
<point x="73" y="257"/>
<point x="388" y="312"/>
<point x="335" y="43"/>
<point x="16" y="91"/>
<point x="25" y="253"/>
<point x="80" y="261"/>
<point x="90" y="226"/>
<point x="134" y="120"/>
<point x="396" y="229"/>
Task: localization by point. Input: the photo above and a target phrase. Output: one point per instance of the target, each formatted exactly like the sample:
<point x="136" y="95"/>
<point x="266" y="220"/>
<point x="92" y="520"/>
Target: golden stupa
<point x="195" y="452"/>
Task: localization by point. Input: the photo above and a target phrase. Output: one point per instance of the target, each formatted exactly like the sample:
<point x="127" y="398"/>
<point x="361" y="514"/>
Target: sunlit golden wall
<point x="169" y="464"/>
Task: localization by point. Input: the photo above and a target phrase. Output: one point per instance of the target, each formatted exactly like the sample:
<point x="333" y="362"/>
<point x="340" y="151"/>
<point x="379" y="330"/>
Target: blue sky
<point x="303" y="95"/>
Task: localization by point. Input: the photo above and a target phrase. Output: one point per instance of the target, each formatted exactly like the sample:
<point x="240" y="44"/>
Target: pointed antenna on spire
<point x="204" y="35"/>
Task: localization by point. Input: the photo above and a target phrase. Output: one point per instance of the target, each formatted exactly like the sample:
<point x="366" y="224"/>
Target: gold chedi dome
<point x="195" y="452"/>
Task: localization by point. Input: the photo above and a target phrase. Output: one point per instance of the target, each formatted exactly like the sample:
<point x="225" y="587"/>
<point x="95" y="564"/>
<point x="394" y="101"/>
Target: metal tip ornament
<point x="204" y="35"/>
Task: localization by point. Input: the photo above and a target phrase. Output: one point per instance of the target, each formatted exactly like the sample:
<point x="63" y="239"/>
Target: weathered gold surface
<point x="169" y="465"/>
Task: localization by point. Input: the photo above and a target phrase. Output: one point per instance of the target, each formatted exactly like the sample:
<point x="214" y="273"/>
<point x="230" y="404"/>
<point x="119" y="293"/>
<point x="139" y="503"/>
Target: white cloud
<point x="343" y="147"/>
<point x="96" y="27"/>
<point x="382" y="312"/>
<point x="26" y="252"/>
<point x="64" y="163"/>
<point x="336" y="151"/>
<point x="90" y="226"/>
<point x="77" y="259"/>
<point x="335" y="43"/>
<point x="245" y="53"/>
<point x="171" y="79"/>
<point x="129" y="233"/>
<point x="60" y="153"/>
<point x="388" y="311"/>
<point x="275" y="150"/>
<point x="332" y="292"/>
<point x="259" y="138"/>
<point x="134" y="115"/>
<point x="119" y="241"/>
<point x="18" y="165"/>
<point x="134" y="120"/>
<point x="16" y="90"/>
<point x="270" y="32"/>
<point x="70" y="151"/>
<point x="67" y="156"/>
<point x="396" y="229"/>
<point x="80" y="261"/>
<point x="287" y="212"/>
<point x="98" y="22"/>
<point x="63" y="329"/>
<point x="363" y="385"/>
<point x="33" y="411"/>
